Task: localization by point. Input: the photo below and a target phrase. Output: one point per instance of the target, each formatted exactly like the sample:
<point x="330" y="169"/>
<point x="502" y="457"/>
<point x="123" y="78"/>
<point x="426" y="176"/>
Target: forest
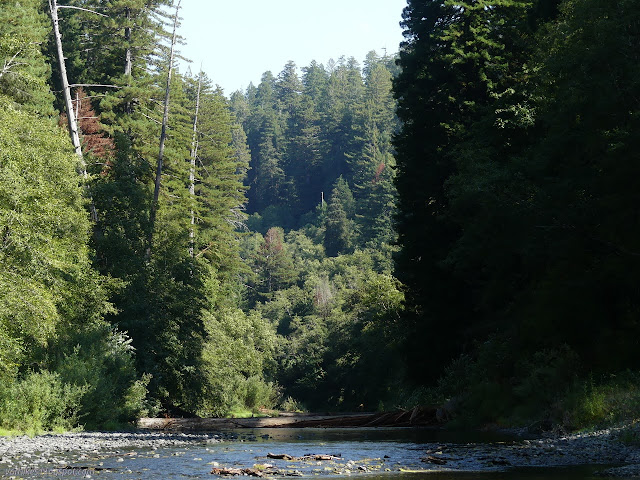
<point x="451" y="225"/>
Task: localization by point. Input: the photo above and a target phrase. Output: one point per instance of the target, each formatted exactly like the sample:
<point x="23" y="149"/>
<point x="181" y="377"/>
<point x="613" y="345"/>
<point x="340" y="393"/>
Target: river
<point x="369" y="454"/>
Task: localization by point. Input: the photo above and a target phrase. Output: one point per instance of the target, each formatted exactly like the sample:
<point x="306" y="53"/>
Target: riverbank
<point x="49" y="446"/>
<point x="417" y="417"/>
<point x="92" y="449"/>
<point x="603" y="447"/>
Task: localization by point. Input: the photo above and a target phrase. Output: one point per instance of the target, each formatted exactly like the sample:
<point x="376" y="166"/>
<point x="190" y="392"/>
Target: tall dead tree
<point x="74" y="133"/>
<point x="163" y="136"/>
<point x="192" y="169"/>
<point x="128" y="59"/>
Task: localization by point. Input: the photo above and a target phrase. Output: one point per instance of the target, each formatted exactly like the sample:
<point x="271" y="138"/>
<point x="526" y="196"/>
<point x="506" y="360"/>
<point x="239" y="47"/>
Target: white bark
<point x="192" y="169"/>
<point x="68" y="102"/>
<point x="163" y="135"/>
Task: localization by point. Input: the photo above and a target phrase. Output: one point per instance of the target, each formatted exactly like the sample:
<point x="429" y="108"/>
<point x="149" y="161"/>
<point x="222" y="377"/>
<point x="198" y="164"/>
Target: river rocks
<point x="62" y="449"/>
<point x="435" y="460"/>
<point x="200" y="453"/>
<point x="596" y="448"/>
<point x="622" y="472"/>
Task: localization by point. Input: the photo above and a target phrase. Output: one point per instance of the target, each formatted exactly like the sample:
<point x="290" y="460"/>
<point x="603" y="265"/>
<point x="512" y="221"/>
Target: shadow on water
<point x="566" y="473"/>
<point x="400" y="435"/>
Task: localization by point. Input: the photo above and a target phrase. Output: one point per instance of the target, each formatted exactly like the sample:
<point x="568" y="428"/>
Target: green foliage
<point x="459" y="60"/>
<point x="338" y="328"/>
<point x="608" y="401"/>
<point x="516" y="214"/>
<point x="305" y="133"/>
<point x="338" y="228"/>
<point x="43" y="254"/>
<point x="292" y="405"/>
<point x="238" y="353"/>
<point x="512" y="190"/>
<point x="500" y="386"/>
<point x="40" y="402"/>
<point x="101" y="362"/>
<point x="24" y="73"/>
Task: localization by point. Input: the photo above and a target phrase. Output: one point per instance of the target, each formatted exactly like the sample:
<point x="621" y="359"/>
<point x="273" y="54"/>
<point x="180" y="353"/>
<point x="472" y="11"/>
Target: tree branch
<point x="73" y="85"/>
<point x="84" y="10"/>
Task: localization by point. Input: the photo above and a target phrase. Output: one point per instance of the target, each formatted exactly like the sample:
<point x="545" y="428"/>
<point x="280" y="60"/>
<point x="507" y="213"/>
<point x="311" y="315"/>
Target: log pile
<point x="418" y="417"/>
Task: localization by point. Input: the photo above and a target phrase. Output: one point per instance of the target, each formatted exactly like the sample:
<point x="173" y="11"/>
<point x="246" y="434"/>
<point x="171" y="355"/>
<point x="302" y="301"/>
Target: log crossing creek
<point x="367" y="453"/>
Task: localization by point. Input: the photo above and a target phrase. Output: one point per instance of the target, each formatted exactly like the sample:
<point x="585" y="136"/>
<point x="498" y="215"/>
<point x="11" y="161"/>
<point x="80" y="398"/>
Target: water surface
<point x="367" y="454"/>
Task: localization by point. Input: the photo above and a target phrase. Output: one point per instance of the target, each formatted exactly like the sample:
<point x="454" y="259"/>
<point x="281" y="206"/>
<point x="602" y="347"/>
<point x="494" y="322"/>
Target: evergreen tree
<point x="453" y="64"/>
<point x="373" y="168"/>
<point x="274" y="263"/>
<point x="343" y="97"/>
<point x="583" y="222"/>
<point x="25" y="73"/>
<point x="338" y="224"/>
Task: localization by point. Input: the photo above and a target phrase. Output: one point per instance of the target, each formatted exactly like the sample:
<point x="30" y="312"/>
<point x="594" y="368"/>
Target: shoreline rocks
<point x="595" y="448"/>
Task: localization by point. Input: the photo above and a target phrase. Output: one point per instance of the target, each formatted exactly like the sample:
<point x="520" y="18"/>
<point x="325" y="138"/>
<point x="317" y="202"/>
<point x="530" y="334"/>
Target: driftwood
<point x="419" y="416"/>
<point x="232" y="472"/>
<point x="435" y="460"/>
<point x="318" y="458"/>
<point x="280" y="456"/>
<point x="416" y="417"/>
<point x="253" y="472"/>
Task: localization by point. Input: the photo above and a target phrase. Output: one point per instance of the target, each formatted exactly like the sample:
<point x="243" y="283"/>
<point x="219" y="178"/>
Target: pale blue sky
<point x="238" y="40"/>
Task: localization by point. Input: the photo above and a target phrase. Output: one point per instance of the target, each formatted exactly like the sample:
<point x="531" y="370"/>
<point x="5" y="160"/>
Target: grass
<point x="243" y="413"/>
<point x="10" y="433"/>
<point x="610" y="401"/>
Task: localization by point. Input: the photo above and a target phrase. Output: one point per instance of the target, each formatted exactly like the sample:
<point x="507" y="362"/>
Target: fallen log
<point x="320" y="458"/>
<point x="435" y="460"/>
<point x="280" y="456"/>
<point x="317" y="458"/>
<point x="417" y="417"/>
<point x="234" y="472"/>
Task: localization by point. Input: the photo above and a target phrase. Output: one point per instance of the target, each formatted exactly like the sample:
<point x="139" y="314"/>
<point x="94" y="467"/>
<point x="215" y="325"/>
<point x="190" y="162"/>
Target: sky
<point x="236" y="41"/>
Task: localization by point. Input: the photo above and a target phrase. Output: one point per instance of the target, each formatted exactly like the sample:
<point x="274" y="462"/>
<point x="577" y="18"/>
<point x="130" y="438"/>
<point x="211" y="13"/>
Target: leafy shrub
<point x="260" y="394"/>
<point x="290" y="404"/>
<point x="237" y="353"/>
<point x="41" y="401"/>
<point x="504" y="386"/>
<point x="100" y="361"/>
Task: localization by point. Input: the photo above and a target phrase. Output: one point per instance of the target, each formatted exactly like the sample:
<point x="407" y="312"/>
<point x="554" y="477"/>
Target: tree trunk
<point x="68" y="102"/>
<point x="128" y="62"/>
<point x="163" y="137"/>
<point x="192" y="170"/>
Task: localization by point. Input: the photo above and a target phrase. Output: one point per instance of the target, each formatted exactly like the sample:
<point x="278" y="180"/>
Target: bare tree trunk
<point x="66" y="91"/>
<point x="192" y="170"/>
<point x="163" y="137"/>
<point x="127" y="39"/>
<point x="128" y="62"/>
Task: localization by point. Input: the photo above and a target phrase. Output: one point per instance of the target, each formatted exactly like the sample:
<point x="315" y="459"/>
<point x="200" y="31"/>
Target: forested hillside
<point x="134" y="282"/>
<point x="518" y="219"/>
<point x="454" y="224"/>
<point x="132" y="313"/>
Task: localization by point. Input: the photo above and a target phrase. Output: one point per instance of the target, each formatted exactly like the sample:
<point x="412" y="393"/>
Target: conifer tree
<point x="24" y="73"/>
<point x="453" y="64"/>
<point x="338" y="224"/>
<point x="344" y="95"/>
<point x="373" y="167"/>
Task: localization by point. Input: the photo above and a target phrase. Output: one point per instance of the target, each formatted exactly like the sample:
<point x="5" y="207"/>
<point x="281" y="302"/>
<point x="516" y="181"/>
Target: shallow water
<point x="367" y="454"/>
